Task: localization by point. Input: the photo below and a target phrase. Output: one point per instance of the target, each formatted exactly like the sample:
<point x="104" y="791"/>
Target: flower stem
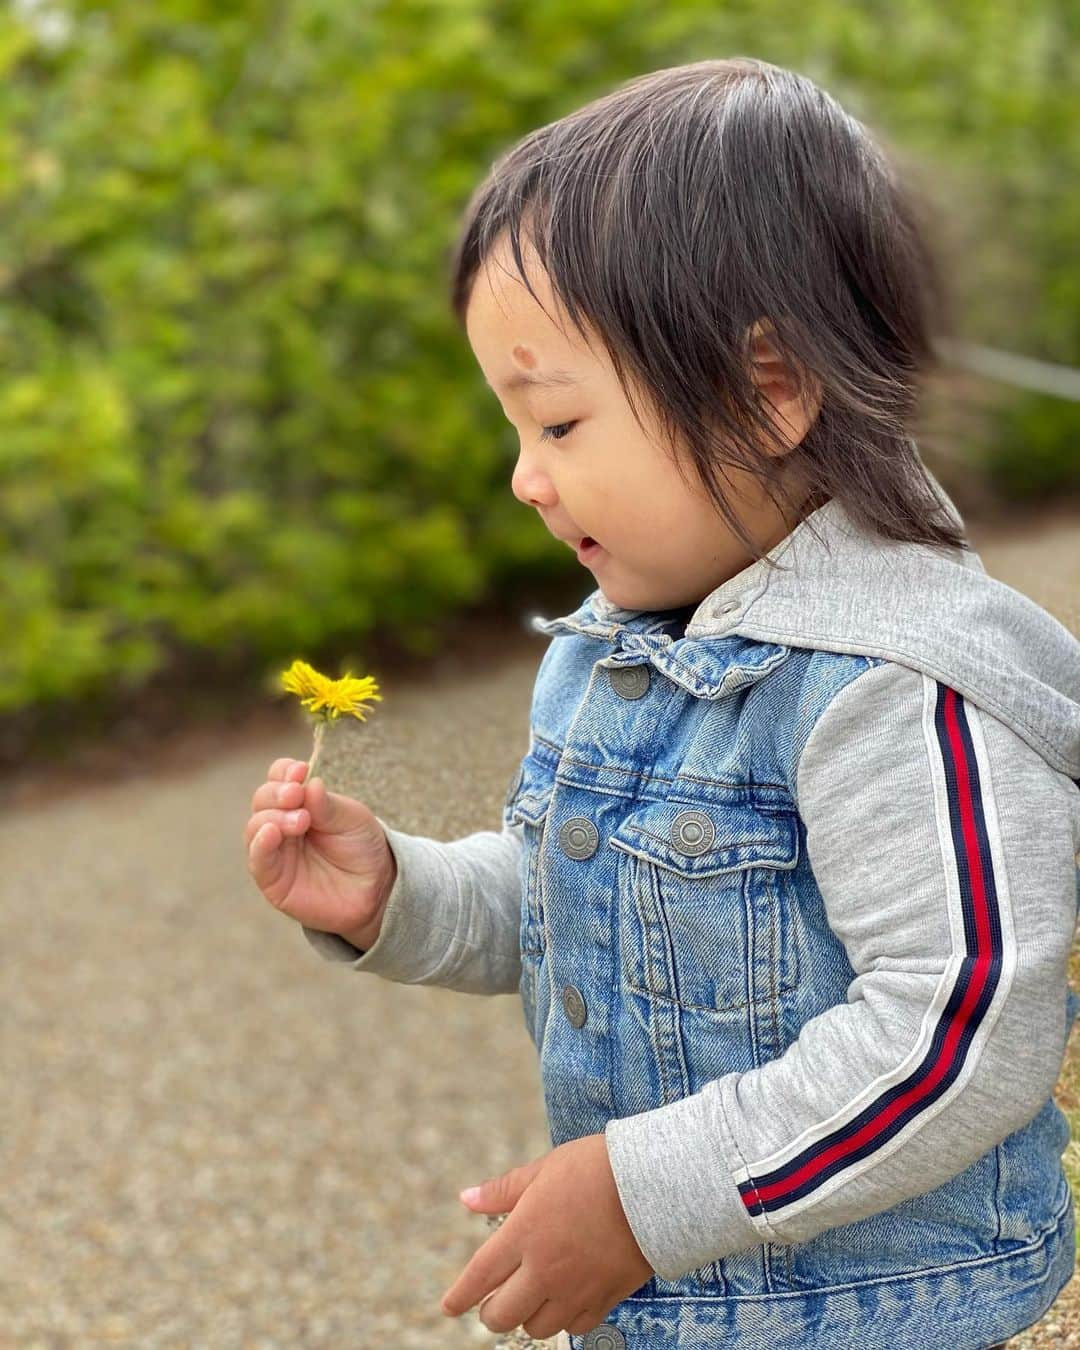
<point x="320" y="728"/>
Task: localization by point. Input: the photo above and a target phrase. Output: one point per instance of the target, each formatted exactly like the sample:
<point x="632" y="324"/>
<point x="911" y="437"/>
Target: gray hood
<point x="934" y="610"/>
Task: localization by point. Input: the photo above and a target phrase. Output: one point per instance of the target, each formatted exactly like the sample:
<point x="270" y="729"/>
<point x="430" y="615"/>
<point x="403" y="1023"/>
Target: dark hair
<point x="675" y="211"/>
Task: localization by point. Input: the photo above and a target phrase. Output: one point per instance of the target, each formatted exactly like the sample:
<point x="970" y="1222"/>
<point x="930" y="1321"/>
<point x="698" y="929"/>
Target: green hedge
<point x="235" y="416"/>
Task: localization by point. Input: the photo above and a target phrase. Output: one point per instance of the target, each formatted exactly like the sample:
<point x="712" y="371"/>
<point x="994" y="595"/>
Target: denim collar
<point x="705" y="669"/>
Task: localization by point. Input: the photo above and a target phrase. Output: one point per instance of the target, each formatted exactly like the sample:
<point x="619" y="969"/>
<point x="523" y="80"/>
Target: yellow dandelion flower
<point x="329" y="699"/>
<point x="332" y="698"/>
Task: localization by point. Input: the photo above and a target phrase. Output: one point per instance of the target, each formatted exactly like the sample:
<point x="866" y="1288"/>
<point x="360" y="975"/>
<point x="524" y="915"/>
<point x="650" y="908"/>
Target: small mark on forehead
<point x="524" y="356"/>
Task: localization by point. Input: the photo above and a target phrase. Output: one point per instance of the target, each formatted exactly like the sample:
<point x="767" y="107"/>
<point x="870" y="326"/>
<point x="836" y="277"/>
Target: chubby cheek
<point x="689" y="551"/>
<point x="648" y="524"/>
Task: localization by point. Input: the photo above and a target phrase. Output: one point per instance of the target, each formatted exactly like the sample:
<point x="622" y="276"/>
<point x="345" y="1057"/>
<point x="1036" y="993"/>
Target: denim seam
<point x="784" y="864"/>
<point x="533" y="908"/>
<point x="654" y="1030"/>
<point x="857" y="675"/>
<point x="751" y="1020"/>
<point x="775" y="951"/>
<point x="563" y="758"/>
<point x="999" y="1188"/>
<point x="534" y="913"/>
<point x="699" y="1007"/>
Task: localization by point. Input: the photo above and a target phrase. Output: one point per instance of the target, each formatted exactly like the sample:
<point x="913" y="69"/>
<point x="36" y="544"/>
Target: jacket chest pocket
<point x="527" y="802"/>
<point x="709" y="923"/>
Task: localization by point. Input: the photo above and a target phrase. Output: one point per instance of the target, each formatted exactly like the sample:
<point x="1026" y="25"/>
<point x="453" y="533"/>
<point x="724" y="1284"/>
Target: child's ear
<point x="776" y="381"/>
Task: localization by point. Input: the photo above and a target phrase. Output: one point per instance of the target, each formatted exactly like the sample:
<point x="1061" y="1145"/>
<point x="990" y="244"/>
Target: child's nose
<point x="531" y="484"/>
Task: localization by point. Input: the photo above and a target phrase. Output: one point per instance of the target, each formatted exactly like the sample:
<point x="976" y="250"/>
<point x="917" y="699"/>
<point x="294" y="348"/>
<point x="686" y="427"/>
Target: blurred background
<point x="238" y="425"/>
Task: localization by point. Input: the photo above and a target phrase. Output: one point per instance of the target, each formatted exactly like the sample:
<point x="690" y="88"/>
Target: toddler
<point x="787" y="878"/>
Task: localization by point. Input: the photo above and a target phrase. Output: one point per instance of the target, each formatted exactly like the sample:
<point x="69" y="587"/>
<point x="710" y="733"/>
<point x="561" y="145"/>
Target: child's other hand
<point x="318" y="856"/>
<point x="566" y="1254"/>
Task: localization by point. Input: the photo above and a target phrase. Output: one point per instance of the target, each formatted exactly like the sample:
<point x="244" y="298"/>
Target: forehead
<point x="501" y="307"/>
<point x="511" y="332"/>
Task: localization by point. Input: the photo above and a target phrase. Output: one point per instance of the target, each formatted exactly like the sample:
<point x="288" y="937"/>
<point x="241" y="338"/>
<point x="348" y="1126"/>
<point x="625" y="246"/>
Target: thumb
<point x="499" y="1195"/>
<point x="329" y="810"/>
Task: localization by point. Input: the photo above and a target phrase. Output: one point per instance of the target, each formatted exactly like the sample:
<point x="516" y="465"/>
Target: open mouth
<point x="588" y="548"/>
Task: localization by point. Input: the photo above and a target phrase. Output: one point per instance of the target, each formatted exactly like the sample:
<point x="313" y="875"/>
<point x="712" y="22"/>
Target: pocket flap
<point x="529" y="794"/>
<point x="702" y="842"/>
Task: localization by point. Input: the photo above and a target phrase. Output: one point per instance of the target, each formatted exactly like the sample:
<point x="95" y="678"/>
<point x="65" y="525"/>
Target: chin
<point x="625" y="598"/>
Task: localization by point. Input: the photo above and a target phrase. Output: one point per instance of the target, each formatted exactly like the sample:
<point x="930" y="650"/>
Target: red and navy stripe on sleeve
<point x="975" y="980"/>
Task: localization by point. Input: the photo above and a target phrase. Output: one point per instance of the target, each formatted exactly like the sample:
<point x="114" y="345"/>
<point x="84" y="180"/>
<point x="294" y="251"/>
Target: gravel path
<point x="210" y="1137"/>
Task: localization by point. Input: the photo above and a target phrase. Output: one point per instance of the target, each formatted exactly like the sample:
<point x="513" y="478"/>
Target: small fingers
<point x="492" y="1264"/>
<point x="286" y="824"/>
<point x="264" y="857"/>
<point x="285" y="768"/>
<point x="262" y="844"/>
<point x="287" y="793"/>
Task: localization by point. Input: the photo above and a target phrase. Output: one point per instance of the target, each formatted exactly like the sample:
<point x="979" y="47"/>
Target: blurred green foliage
<point x="235" y="415"/>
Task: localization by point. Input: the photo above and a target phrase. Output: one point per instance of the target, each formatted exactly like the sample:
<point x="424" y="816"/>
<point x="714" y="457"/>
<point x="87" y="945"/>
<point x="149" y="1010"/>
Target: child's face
<point x="662" y="545"/>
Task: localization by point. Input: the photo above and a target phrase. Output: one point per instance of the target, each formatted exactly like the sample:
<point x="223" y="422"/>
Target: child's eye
<point x="557" y="432"/>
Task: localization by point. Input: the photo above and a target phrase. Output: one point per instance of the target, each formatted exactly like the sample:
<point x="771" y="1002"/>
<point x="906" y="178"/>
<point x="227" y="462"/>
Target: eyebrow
<point x="557" y="378"/>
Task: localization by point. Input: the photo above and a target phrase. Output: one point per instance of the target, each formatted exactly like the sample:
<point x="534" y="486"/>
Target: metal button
<point x="606" y="1337"/>
<point x="630" y="681"/>
<point x="692" y="832"/>
<point x="579" y="837"/>
<point x="573" y="1006"/>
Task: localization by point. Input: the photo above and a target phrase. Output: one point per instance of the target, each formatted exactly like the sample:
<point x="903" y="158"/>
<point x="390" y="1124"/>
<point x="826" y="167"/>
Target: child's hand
<point x="317" y="856"/>
<point x="565" y="1256"/>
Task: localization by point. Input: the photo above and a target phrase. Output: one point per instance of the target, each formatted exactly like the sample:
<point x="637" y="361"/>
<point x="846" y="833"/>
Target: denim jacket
<point x="788" y="898"/>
